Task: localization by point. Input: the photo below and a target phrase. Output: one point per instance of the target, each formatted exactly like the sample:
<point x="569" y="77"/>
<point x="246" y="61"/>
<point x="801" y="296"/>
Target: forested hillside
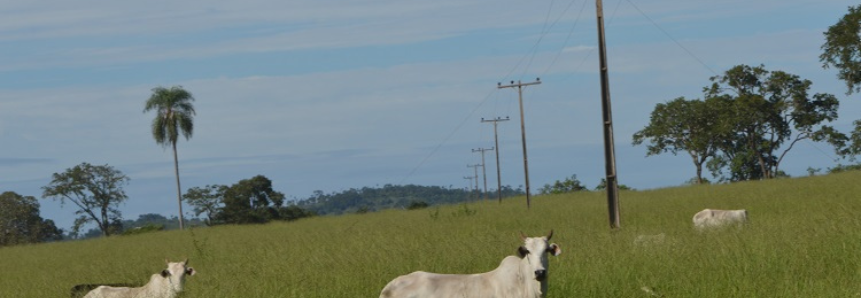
<point x="392" y="196"/>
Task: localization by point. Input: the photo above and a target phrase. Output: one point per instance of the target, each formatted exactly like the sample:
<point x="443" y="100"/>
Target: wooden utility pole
<point x="609" y="149"/>
<point x="483" y="169"/>
<point x="496" y="142"/>
<point x="520" y="86"/>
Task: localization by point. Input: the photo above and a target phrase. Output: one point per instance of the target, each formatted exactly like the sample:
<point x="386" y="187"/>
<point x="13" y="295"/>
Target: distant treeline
<point x="365" y="199"/>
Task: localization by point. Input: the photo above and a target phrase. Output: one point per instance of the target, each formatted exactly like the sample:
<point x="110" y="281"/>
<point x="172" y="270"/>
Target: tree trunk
<point x="178" y="189"/>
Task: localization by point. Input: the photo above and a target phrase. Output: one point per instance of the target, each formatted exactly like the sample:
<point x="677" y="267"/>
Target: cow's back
<point x="431" y="285"/>
<point x="715" y="218"/>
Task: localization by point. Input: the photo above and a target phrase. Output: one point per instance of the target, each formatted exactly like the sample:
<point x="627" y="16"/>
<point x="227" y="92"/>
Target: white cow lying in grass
<point x="521" y="276"/>
<point x="166" y="284"/>
<point x="716" y="218"/>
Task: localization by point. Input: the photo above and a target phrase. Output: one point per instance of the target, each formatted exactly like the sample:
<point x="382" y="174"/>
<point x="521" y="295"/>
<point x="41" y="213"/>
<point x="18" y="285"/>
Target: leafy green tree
<point x="20" y="221"/>
<point x="770" y="111"/>
<point x="174" y="116"/>
<point x="251" y="201"/>
<point x="603" y="185"/>
<point x="692" y="126"/>
<point x="209" y="200"/>
<point x="570" y="184"/>
<point x="842" y="49"/>
<point x="96" y="190"/>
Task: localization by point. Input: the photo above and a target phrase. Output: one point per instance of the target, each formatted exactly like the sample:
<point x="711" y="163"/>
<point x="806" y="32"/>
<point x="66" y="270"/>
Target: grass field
<point x="803" y="240"/>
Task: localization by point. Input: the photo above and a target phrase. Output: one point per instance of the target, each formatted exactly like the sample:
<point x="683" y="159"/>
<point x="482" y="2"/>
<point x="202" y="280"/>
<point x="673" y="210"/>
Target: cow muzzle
<point x="540" y="275"/>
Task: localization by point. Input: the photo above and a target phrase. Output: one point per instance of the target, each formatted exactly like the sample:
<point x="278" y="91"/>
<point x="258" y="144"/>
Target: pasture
<point x="803" y="240"/>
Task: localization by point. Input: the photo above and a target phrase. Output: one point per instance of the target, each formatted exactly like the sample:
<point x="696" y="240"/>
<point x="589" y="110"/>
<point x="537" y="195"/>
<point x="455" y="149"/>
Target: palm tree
<point x="175" y="114"/>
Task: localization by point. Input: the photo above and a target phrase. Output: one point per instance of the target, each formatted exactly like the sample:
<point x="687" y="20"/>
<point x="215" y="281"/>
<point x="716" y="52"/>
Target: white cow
<point x="716" y="218"/>
<point x="521" y="276"/>
<point x="166" y="284"/>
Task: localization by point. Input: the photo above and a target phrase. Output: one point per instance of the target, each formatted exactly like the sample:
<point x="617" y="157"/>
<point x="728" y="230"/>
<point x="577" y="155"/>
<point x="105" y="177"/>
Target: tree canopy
<point x="97" y="191"/>
<point x="20" y="221"/>
<point x="770" y="112"/>
<point x="251" y="201"/>
<point x="750" y="119"/>
<point x="206" y="200"/>
<point x="842" y="49"/>
<point x="681" y="125"/>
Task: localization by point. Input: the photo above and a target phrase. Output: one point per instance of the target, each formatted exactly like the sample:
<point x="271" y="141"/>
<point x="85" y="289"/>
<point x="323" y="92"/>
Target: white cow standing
<point x="715" y="218"/>
<point x="521" y="276"/>
<point x="166" y="284"/>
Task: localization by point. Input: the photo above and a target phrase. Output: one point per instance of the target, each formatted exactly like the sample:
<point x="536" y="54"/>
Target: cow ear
<point x="165" y="273"/>
<point x="554" y="249"/>
<point x="190" y="271"/>
<point x="522" y="251"/>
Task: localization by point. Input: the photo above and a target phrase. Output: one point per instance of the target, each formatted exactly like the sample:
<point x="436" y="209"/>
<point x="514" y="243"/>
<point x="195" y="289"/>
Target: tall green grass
<point x="803" y="240"/>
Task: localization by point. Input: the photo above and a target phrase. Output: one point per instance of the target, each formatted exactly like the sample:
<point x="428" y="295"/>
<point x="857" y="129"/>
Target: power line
<point x="671" y="38"/>
<point x="543" y="33"/>
<point x="567" y="38"/>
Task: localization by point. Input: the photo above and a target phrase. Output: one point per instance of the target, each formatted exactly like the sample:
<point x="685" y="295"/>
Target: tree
<point x="294" y="212"/>
<point x="174" y="115"/>
<point x="603" y="185"/>
<point x="770" y="109"/>
<point x="692" y="126"/>
<point x="251" y="201"/>
<point x="570" y="184"/>
<point x="842" y="49"/>
<point x="20" y="221"/>
<point x="96" y="190"/>
<point x="209" y="200"/>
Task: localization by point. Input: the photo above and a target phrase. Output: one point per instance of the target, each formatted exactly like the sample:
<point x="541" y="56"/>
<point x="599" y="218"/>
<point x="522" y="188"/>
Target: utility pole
<point x="520" y="86"/>
<point x="496" y="142"/>
<point x="609" y="149"/>
<point x="483" y="169"/>
<point x="469" y="185"/>
<point x="475" y="169"/>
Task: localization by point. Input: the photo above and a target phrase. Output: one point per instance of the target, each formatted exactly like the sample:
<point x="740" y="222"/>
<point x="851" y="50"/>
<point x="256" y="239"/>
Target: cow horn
<point x="185" y="262"/>
<point x="550" y="235"/>
<point x="522" y="236"/>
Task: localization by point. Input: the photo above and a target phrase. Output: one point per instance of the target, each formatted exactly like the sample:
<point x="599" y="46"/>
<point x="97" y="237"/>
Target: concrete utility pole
<point x="609" y="149"/>
<point x="496" y="142"/>
<point x="483" y="169"/>
<point x="520" y="86"/>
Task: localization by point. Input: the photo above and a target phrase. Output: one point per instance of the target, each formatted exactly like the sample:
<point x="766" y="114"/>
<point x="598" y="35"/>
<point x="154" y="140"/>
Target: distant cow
<point x="167" y="284"/>
<point x="716" y="218"/>
<point x="521" y="276"/>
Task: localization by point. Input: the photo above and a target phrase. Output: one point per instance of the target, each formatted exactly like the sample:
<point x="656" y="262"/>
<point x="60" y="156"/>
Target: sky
<point x="330" y="95"/>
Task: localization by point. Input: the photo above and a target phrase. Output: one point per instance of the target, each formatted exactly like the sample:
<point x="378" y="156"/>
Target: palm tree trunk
<point x="178" y="189"/>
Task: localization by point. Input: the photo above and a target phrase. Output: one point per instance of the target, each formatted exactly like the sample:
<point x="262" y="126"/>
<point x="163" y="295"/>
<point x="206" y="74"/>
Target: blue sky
<point x="331" y="95"/>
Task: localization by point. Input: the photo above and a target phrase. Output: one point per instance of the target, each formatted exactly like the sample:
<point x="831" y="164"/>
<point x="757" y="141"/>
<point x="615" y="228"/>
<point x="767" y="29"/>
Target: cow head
<point x="535" y="251"/>
<point x="176" y="273"/>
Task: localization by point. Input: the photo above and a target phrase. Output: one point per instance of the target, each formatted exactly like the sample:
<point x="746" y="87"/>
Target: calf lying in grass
<point x="166" y="284"/>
